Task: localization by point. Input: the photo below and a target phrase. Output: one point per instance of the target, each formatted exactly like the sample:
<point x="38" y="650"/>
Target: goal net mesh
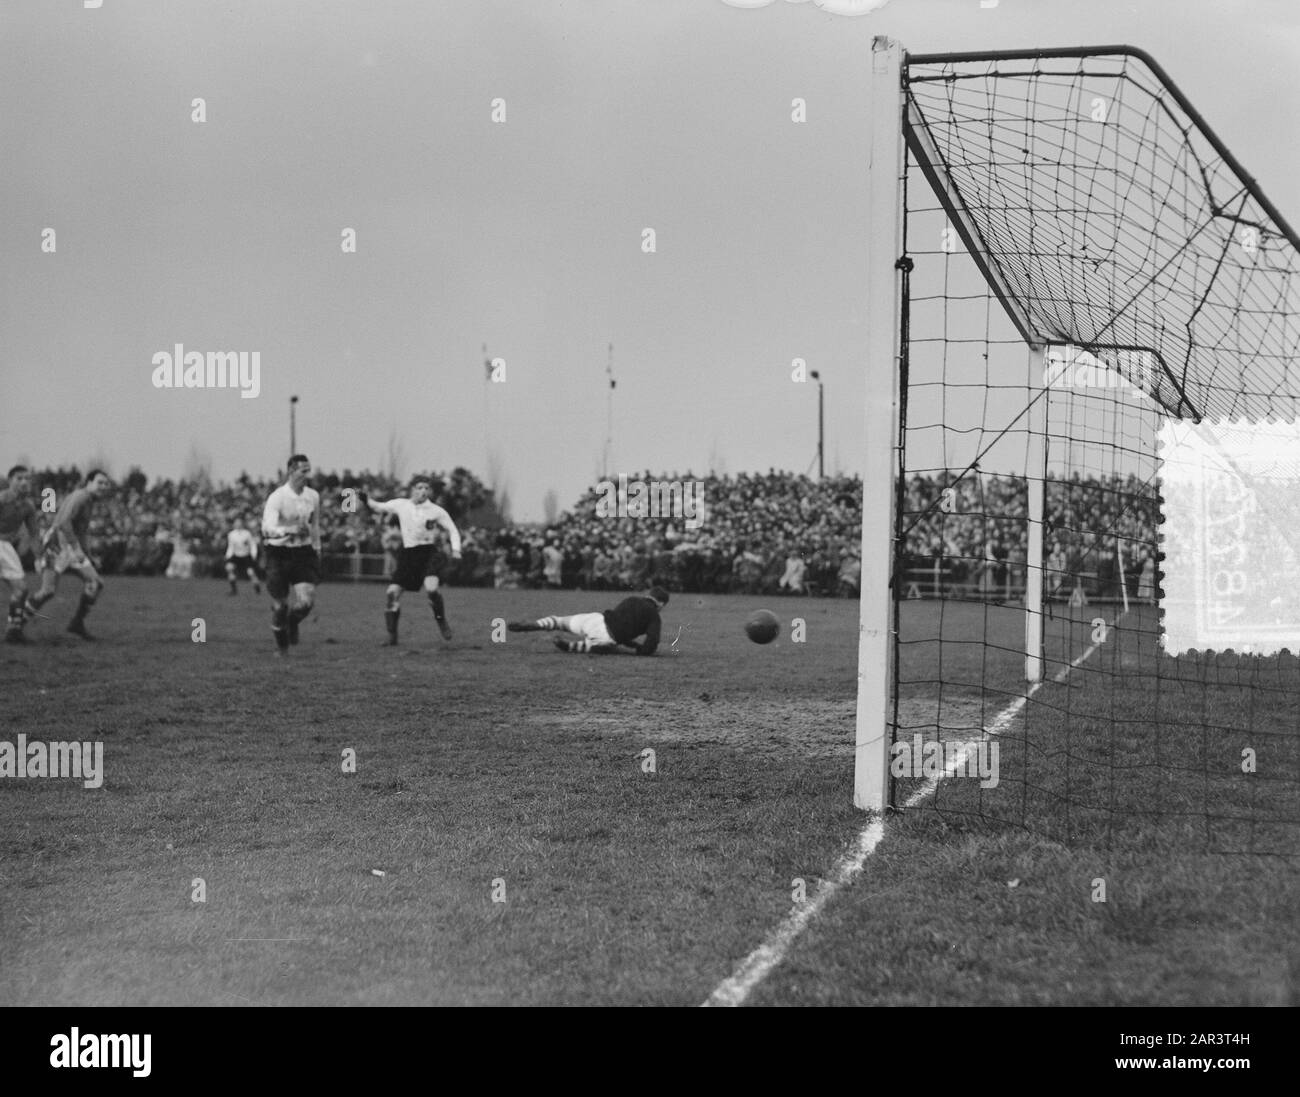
<point x="1100" y="306"/>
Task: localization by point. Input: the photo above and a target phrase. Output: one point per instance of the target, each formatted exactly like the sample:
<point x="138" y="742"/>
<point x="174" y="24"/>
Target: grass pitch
<point x="513" y="771"/>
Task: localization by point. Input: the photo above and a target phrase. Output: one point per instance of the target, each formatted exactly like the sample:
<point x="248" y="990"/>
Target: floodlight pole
<point x="487" y="434"/>
<point x="821" y="426"/>
<point x="875" y="621"/>
<point x="1036" y="486"/>
<point x="293" y="424"/>
<point x="609" y="416"/>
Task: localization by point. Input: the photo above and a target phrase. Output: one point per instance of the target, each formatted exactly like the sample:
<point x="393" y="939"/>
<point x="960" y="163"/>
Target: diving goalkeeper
<point x="633" y="623"/>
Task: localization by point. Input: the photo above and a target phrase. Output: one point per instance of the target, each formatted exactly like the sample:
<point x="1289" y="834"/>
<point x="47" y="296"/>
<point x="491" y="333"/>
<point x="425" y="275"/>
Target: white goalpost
<point x="879" y="504"/>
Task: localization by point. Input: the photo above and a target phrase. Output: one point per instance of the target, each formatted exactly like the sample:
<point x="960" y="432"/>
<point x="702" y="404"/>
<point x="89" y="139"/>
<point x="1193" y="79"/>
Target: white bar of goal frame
<point x="876" y="608"/>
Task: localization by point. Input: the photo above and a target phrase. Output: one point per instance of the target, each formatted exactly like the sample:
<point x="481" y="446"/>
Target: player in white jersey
<point x="291" y="534"/>
<point x="241" y="557"/>
<point x="420" y="559"/>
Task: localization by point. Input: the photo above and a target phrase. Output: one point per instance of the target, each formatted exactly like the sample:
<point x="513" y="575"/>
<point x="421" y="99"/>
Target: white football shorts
<point x="588" y="626"/>
<point x="61" y="558"/>
<point x="11" y="568"/>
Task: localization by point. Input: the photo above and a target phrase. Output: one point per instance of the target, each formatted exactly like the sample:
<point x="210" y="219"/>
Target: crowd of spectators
<point x="975" y="528"/>
<point x="140" y="527"/>
<point x="753" y="533"/>
<point x="770" y="533"/>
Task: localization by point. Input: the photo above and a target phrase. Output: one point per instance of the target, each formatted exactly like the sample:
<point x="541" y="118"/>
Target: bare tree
<point x="198" y="466"/>
<point x="498" y="483"/>
<point x="717" y="465"/>
<point x="495" y="471"/>
<point x="99" y="460"/>
<point x="394" y="461"/>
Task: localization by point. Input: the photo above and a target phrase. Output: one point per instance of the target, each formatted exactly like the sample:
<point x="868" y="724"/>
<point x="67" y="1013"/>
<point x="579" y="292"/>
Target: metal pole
<point x="821" y="435"/>
<point x="1119" y="563"/>
<point x="609" y="414"/>
<point x="821" y="464"/>
<point x="293" y="425"/>
<point x="1036" y="488"/>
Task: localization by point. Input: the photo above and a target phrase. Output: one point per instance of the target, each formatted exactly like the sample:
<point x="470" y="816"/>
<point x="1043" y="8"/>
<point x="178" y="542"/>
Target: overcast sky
<point x="525" y="236"/>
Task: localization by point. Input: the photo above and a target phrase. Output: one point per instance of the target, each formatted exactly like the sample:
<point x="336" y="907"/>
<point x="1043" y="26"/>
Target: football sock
<point x="299" y="613"/>
<point x="83" y="608"/>
<point x="390" y="623"/>
<point x="439" y="613"/>
<point x="280" y="626"/>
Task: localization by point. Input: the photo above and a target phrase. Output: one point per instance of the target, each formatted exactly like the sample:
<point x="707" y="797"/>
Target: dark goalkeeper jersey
<point x="633" y="617"/>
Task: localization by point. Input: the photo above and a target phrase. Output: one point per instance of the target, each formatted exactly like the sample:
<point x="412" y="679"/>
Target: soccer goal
<point x="1083" y="340"/>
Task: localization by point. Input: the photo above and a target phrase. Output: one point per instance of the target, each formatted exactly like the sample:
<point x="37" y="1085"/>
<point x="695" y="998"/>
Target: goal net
<point x="1093" y="608"/>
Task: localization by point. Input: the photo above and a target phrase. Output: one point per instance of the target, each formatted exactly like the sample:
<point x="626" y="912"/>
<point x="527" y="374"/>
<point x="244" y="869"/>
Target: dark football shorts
<point x="416" y="564"/>
<point x="287" y="567"/>
<point x="246" y="566"/>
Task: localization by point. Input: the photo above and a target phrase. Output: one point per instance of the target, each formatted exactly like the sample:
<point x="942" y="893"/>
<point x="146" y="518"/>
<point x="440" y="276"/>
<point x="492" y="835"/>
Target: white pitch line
<point x="754" y="968"/>
<point x="771" y="952"/>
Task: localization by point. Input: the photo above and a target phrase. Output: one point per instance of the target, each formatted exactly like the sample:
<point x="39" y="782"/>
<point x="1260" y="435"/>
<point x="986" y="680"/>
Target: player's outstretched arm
<point x="444" y="520"/>
<point x="650" y="644"/>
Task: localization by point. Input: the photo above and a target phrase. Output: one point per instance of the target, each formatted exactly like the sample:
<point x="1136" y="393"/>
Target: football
<point x="762" y="627"/>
